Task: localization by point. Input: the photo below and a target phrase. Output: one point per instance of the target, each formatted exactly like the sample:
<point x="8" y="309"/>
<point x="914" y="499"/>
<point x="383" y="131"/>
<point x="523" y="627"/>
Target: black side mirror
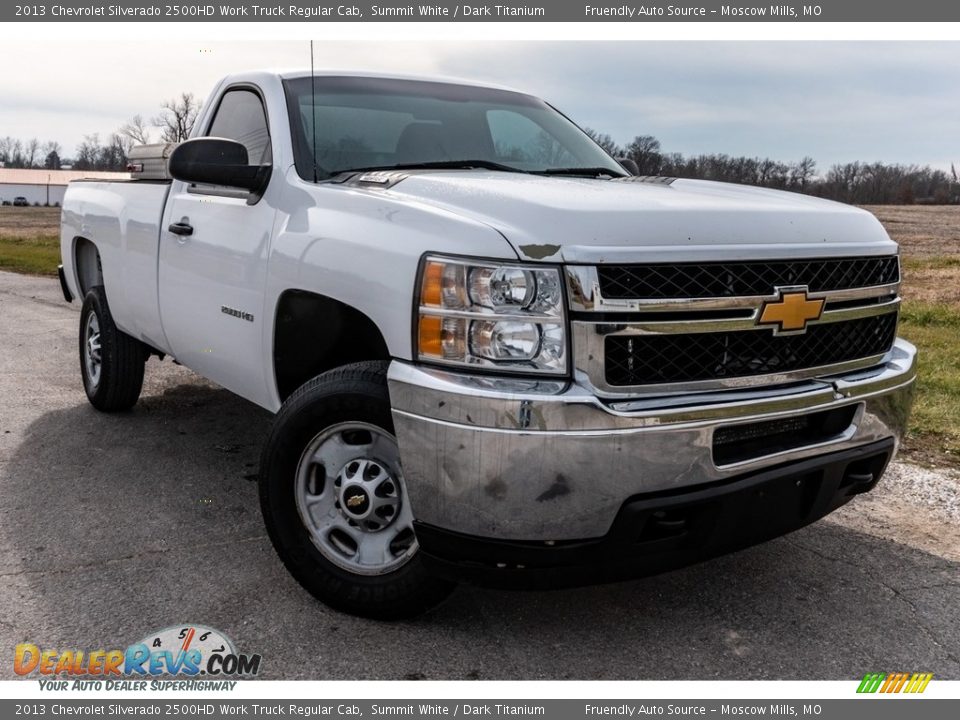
<point x="217" y="161"/>
<point x="629" y="165"/>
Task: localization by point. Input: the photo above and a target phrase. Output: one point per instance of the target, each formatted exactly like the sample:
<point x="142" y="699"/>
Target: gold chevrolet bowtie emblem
<point x="791" y="311"/>
<point x="355" y="500"/>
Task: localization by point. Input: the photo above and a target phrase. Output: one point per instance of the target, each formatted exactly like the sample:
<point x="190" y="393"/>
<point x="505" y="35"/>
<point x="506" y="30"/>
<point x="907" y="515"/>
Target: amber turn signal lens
<point x="431" y="336"/>
<point x="432" y="291"/>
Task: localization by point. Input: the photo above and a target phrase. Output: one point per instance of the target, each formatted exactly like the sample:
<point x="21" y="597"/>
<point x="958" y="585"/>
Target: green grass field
<point x="29" y="240"/>
<point x="930" y="317"/>
<point x="935" y="424"/>
<point x="33" y="256"/>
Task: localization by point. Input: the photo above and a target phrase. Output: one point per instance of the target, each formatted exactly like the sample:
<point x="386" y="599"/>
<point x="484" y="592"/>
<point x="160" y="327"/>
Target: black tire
<point x="352" y="394"/>
<point x="121" y="358"/>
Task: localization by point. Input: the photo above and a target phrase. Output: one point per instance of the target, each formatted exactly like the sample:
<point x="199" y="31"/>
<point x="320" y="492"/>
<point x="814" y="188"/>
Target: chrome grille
<point x="656" y="328"/>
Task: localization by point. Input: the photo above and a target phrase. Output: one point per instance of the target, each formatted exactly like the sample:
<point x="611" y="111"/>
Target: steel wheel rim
<point x="352" y="500"/>
<point x="92" y="357"/>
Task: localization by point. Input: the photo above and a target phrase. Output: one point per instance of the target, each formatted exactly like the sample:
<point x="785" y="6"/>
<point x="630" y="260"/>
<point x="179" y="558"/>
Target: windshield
<point x="364" y="123"/>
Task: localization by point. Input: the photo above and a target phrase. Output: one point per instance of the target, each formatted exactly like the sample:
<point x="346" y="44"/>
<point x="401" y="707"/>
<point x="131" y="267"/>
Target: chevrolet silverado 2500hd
<point x="493" y="353"/>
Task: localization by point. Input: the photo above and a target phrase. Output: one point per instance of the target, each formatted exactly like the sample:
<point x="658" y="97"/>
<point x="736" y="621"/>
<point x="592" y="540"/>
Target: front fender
<point x="363" y="247"/>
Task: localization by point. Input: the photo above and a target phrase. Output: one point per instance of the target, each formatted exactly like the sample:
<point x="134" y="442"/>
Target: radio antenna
<point x="313" y="111"/>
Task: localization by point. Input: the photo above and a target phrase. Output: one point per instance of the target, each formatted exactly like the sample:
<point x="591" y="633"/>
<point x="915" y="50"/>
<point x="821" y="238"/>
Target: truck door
<point x="214" y="246"/>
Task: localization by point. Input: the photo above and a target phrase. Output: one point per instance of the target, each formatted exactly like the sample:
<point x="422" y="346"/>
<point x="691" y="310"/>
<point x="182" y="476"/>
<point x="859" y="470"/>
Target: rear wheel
<point x="334" y="500"/>
<point x="111" y="362"/>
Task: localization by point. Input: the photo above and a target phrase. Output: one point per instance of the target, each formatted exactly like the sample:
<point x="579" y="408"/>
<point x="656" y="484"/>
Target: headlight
<point x="492" y="315"/>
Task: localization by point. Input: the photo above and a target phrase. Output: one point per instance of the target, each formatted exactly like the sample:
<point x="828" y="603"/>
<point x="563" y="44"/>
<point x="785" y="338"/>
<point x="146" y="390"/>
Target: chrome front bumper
<point x="516" y="459"/>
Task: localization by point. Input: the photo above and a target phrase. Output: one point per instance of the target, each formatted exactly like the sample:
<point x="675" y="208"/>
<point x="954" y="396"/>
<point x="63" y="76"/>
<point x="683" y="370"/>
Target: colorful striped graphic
<point x="894" y="682"/>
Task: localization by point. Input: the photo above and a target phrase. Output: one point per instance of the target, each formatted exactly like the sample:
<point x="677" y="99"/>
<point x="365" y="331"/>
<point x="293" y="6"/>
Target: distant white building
<point x="45" y="187"/>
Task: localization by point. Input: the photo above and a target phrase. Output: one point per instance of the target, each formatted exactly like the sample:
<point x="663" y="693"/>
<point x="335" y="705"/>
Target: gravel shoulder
<point x="915" y="506"/>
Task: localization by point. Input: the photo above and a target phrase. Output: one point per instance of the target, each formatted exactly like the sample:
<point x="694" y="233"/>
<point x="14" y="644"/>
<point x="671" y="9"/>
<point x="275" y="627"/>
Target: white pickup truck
<point x="494" y="354"/>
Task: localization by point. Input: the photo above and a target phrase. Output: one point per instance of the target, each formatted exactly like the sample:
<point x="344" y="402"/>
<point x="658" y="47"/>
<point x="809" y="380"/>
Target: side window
<point x="241" y="117"/>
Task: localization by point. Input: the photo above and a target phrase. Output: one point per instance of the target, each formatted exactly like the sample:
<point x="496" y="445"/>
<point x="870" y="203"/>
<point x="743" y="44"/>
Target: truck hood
<point x="583" y="220"/>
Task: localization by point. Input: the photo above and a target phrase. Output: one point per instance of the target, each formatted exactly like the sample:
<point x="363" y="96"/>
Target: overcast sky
<point x="834" y="101"/>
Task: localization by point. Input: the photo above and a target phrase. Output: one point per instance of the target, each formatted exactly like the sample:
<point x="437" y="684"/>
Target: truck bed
<point x="124" y="216"/>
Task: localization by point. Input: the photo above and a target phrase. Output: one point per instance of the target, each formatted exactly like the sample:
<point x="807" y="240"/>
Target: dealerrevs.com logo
<point x="190" y="651"/>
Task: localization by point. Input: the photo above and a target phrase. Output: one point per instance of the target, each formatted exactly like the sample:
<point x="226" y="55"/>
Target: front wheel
<point x="334" y="500"/>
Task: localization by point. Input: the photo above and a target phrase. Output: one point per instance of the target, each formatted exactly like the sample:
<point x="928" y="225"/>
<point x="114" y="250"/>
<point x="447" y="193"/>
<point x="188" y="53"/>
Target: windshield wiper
<point x="437" y="165"/>
<point x="586" y="171"/>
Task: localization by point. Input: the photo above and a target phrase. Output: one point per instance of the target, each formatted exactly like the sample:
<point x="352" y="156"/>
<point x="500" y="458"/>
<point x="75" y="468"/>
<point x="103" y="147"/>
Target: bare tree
<point x="177" y="117"/>
<point x="605" y="141"/>
<point x="843" y="181"/>
<point x="6" y="149"/>
<point x="16" y="157"/>
<point x="136" y="129"/>
<point x="31" y="153"/>
<point x="644" y="150"/>
<point x="802" y="173"/>
<point x="114" y="154"/>
<point x="88" y="153"/>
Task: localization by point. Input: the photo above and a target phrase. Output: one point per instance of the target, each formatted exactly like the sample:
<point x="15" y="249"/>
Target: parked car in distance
<point x="20" y="201"/>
